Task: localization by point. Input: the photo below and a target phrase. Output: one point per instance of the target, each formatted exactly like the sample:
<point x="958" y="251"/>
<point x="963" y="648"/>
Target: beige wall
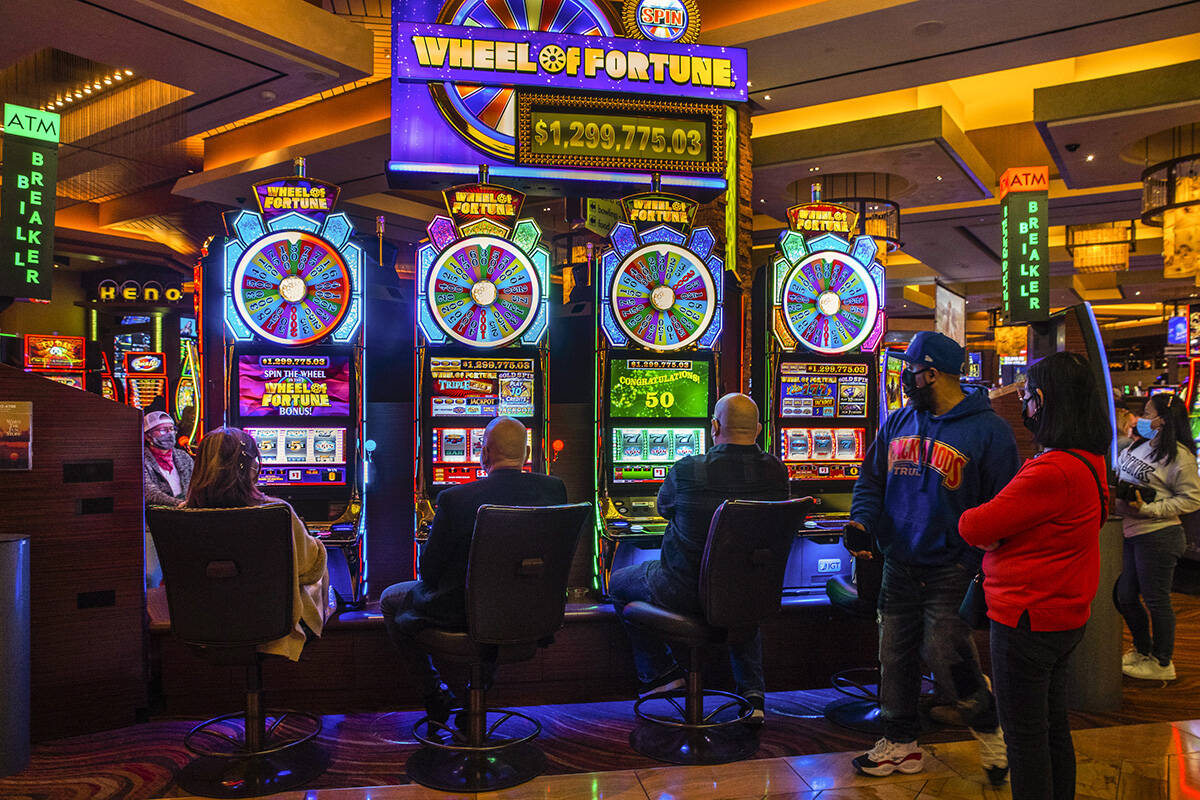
<point x="60" y="315"/>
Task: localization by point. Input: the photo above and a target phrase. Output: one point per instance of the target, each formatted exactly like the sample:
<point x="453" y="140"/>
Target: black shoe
<point x="674" y="680"/>
<point x="758" y="716"/>
<point x="440" y="703"/>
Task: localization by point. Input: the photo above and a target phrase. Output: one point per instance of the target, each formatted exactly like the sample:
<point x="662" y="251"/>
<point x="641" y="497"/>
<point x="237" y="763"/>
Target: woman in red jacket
<point x="1041" y="569"/>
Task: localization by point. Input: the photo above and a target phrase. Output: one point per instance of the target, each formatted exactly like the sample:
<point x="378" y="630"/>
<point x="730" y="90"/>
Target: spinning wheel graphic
<point x="830" y="302"/>
<point x="663" y="296"/>
<point x="483" y="291"/>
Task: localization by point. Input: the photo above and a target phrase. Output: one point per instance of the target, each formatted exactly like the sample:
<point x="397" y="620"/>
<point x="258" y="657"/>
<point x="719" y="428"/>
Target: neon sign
<point x="29" y="175"/>
<point x="1024" y="250"/>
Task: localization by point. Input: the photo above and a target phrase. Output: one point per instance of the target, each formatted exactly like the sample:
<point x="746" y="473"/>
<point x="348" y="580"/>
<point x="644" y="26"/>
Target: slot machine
<point x="822" y="388"/>
<point x="59" y="358"/>
<point x="108" y="384"/>
<point x="145" y="378"/>
<point x="659" y="296"/>
<point x="891" y="391"/>
<point x="286" y="288"/>
<point x="186" y="406"/>
<point x="481" y="344"/>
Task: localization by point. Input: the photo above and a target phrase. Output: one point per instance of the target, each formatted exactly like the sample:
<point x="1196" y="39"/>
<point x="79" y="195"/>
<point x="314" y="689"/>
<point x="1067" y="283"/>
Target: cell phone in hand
<point x="856" y="539"/>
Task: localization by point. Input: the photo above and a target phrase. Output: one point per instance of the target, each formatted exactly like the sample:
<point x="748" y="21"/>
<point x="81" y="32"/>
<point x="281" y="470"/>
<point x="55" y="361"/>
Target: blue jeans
<point x="1031" y="669"/>
<point x="650" y="654"/>
<point x="419" y="664"/>
<point x="1148" y="570"/>
<point x="918" y="617"/>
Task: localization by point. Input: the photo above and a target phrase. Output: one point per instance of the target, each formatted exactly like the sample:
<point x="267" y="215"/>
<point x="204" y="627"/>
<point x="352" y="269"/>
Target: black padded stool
<point x="859" y="710"/>
<point x="516" y="597"/>
<point x="229" y="579"/>
<point x="741" y="584"/>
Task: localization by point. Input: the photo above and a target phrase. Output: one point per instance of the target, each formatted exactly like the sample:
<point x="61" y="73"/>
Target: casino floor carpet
<point x="139" y="762"/>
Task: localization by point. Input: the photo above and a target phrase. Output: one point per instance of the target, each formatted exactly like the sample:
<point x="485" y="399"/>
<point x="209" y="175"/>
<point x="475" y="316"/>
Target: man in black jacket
<point x="439" y="598"/>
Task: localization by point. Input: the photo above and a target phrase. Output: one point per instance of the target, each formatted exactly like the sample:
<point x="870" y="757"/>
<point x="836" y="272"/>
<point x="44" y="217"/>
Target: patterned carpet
<point x="370" y="749"/>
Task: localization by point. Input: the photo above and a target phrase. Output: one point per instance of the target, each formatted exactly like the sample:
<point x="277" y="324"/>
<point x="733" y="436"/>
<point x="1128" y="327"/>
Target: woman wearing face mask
<point x="1042" y="567"/>
<point x="1161" y="458"/>
<point x="166" y="469"/>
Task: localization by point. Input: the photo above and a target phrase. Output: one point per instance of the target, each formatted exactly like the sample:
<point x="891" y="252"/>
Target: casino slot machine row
<point x="283" y="319"/>
<point x="821" y="382"/>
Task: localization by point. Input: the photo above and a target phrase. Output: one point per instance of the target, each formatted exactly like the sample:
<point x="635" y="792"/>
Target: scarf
<point x="165" y="458"/>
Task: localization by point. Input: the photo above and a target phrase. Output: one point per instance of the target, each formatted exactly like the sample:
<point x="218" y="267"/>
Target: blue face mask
<point x="1145" y="429"/>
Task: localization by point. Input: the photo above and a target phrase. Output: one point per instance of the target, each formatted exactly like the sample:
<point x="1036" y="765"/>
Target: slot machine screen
<point x="455" y="452"/>
<point x="823" y="390"/>
<point x="54" y="352"/>
<point x="893" y="388"/>
<point x="823" y="454"/>
<point x="301" y="456"/>
<point x="293" y="386"/>
<point x="645" y="454"/>
<point x="72" y="379"/>
<point x="481" y="387"/>
<point x="658" y="389"/>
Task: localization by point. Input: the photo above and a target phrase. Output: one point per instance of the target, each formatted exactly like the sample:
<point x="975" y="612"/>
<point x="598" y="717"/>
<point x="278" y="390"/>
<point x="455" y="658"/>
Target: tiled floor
<point x="1132" y="762"/>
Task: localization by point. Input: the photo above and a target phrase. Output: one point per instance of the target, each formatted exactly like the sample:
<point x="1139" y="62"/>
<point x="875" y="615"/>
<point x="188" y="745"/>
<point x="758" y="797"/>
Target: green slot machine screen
<point x="658" y="389"/>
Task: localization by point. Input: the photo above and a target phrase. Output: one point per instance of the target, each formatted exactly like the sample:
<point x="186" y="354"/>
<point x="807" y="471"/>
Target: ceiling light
<point x="78" y="95"/>
<point x="939" y="177"/>
<point x="761" y="200"/>
<point x="749" y="84"/>
<point x="1090" y="157"/>
<point x="128" y="72"/>
<point x="117" y="75"/>
<point x="108" y="81"/>
<point x="547" y="208"/>
<point x="87" y="90"/>
<point x="70" y="99"/>
<point x="96" y="85"/>
<point x="766" y="97"/>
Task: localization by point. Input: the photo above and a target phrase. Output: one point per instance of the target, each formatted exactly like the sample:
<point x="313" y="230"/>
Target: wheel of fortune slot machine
<point x="660" y="307"/>
<point x="481" y="343"/>
<point x="825" y="324"/>
<point x="285" y="288"/>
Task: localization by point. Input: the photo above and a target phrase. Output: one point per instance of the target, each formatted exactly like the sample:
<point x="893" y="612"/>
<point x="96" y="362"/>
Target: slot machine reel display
<point x="59" y="358"/>
<point x="145" y="378"/>
<point x="290" y="285"/>
<point x="822" y="399"/>
<point x="659" y="296"/>
<point x="481" y="322"/>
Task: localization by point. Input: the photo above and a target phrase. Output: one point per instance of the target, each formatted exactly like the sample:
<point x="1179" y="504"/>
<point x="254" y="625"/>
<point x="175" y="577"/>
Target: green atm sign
<point x="1024" y="251"/>
<point x="29" y="175"/>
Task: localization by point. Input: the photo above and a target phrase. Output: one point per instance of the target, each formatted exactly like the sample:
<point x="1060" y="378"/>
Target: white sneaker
<point x="887" y="757"/>
<point x="1150" y="670"/>
<point x="993" y="754"/>
<point x="1133" y="656"/>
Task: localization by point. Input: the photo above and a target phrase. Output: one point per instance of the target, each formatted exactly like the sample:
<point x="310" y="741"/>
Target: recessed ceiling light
<point x="87" y="90"/>
<point x="1139" y="291"/>
<point x="1090" y="157"/>
<point x="761" y="200"/>
<point x="939" y="177"/>
<point x="547" y="208"/>
<point x="749" y="84"/>
<point x="128" y="72"/>
<point x="108" y="81"/>
<point x="96" y="85"/>
<point x="117" y="75"/>
<point x="766" y="97"/>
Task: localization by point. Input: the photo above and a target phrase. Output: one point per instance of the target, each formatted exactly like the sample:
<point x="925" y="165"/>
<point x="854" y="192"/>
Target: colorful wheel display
<point x="483" y="291"/>
<point x="830" y="302"/>
<point x="663" y="296"/>
<point x="485" y="115"/>
<point x="291" y="287"/>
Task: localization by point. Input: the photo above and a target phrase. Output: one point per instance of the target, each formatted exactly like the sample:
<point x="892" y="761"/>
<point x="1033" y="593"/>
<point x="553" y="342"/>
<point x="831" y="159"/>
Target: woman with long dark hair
<point x="1041" y="568"/>
<point x="226" y="475"/>
<point x="1157" y="482"/>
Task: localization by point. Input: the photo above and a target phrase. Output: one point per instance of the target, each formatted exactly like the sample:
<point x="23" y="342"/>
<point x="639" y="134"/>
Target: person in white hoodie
<point x="1157" y="481"/>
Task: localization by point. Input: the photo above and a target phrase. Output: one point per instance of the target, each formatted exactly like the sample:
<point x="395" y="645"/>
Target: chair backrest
<point x="741" y="576"/>
<point x="518" y="568"/>
<point x="228" y="573"/>
<point x="859" y="596"/>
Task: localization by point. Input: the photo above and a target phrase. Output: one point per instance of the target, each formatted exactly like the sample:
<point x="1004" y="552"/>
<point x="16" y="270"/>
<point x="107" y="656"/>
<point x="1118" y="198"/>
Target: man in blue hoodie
<point x="944" y="452"/>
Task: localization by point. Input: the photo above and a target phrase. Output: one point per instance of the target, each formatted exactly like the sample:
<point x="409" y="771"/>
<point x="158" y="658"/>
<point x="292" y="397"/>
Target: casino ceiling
<point x="176" y="107"/>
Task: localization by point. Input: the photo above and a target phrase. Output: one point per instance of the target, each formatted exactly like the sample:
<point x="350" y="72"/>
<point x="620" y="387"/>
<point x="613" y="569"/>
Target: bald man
<point x="734" y="468"/>
<point x="440" y="597"/>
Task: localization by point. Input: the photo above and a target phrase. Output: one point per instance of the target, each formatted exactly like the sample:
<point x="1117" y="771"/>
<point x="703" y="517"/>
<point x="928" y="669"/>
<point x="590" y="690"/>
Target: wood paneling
<point x="88" y="665"/>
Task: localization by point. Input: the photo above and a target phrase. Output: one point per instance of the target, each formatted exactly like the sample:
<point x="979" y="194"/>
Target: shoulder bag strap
<point x="1096" y="477"/>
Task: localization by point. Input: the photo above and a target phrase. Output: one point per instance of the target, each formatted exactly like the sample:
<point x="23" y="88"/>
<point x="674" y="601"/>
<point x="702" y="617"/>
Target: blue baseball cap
<point x="935" y="350"/>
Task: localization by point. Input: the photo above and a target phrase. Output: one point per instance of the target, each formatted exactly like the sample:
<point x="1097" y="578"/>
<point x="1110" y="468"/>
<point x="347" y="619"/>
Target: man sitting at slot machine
<point x="439" y="598"/>
<point x="736" y="468"/>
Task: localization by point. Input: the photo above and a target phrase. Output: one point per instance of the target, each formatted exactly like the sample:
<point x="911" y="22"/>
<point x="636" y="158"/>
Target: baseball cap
<point x="936" y="350"/>
<point x="156" y="418"/>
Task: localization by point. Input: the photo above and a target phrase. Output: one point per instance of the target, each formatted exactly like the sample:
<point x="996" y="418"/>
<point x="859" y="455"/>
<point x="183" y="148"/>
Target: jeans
<point x="395" y="600"/>
<point x="1031" y="669"/>
<point x="1148" y="569"/>
<point x="918" y="616"/>
<point x="650" y="655"/>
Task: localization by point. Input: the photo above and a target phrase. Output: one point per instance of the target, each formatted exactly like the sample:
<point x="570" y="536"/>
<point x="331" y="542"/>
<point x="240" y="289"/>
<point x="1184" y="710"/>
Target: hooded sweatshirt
<point x="1176" y="486"/>
<point x="923" y="470"/>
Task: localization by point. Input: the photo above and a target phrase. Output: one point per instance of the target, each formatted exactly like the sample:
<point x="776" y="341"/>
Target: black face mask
<point x="921" y="397"/>
<point x="1033" y="422"/>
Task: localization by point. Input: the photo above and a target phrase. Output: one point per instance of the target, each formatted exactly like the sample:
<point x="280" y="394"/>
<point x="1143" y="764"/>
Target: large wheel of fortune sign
<point x="663" y="296"/>
<point x="292" y="287"/>
<point x="483" y="291"/>
<point x="830" y="302"/>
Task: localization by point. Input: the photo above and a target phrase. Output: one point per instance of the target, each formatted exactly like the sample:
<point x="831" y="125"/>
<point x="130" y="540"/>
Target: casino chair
<point x="859" y="710"/>
<point x="741" y="584"/>
<point x="229" y="581"/>
<point x="516" y="597"/>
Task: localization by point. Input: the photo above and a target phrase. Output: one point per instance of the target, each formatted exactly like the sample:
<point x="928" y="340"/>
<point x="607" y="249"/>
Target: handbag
<point x="973" y="609"/>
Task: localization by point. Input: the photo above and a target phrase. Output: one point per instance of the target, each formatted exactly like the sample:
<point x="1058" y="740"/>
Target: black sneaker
<point x="673" y="681"/>
<point x="440" y="703"/>
<point x="758" y="715"/>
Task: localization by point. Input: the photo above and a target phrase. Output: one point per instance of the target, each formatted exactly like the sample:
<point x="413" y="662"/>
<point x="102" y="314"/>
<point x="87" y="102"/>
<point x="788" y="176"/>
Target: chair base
<point x="486" y="771"/>
<point x="254" y="776"/>
<point x="689" y="746"/>
<point x="861" y="714"/>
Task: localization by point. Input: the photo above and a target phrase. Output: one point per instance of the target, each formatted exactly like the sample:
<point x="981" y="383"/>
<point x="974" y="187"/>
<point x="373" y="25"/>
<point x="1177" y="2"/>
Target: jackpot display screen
<point x="72" y="379"/>
<point x="481" y="387"/>
<point x="823" y="453"/>
<point x="301" y="456"/>
<point x="455" y="452"/>
<point x="658" y="389"/>
<point x="53" y="352"/>
<point x="293" y="386"/>
<point x="644" y="454"/>
<point x="822" y="390"/>
<point x="893" y="390"/>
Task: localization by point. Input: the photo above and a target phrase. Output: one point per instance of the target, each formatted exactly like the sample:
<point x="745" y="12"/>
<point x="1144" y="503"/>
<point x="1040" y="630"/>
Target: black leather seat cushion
<point x="682" y="628"/>
<point x="457" y="646"/>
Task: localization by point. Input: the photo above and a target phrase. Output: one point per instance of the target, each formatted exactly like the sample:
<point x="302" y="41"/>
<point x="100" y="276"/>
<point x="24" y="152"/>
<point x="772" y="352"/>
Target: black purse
<point x="973" y="609"/>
